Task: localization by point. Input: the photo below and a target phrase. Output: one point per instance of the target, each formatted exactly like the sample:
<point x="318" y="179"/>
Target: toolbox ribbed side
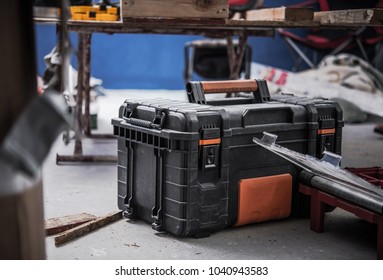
<point x="188" y="207"/>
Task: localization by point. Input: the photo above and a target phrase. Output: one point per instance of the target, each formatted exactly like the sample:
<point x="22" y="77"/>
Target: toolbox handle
<point x="196" y="90"/>
<point x="138" y="122"/>
<point x="229" y="86"/>
<point x="157" y="122"/>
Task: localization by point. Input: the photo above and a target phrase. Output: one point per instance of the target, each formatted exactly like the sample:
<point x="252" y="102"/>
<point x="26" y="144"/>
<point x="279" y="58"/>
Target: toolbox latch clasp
<point x="159" y="119"/>
<point x="129" y="109"/>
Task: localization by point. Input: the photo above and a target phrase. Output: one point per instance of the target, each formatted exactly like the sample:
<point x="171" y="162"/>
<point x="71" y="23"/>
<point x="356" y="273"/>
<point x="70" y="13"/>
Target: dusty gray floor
<point x="91" y="188"/>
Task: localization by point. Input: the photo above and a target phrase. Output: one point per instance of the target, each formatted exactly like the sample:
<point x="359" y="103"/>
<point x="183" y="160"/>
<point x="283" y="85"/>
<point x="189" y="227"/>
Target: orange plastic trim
<point x="326" y="131"/>
<point x="264" y="198"/>
<point x="106" y="17"/>
<point x="210" y="141"/>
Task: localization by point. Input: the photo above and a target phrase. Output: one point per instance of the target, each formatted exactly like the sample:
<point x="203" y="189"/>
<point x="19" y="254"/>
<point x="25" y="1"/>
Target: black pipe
<point x="359" y="196"/>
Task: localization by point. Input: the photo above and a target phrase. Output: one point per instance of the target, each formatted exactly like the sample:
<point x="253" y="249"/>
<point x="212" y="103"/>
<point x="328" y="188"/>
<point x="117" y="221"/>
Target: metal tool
<point x="326" y="175"/>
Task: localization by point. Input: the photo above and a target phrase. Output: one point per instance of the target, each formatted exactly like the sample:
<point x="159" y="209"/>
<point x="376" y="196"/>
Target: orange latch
<point x="326" y="131"/>
<point x="204" y="142"/>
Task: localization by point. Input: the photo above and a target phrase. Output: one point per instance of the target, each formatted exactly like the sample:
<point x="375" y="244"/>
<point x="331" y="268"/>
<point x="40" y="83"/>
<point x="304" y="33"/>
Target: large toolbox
<point x="192" y="168"/>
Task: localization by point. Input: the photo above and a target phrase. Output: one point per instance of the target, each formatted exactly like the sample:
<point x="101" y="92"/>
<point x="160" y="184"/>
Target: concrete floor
<point x="92" y="188"/>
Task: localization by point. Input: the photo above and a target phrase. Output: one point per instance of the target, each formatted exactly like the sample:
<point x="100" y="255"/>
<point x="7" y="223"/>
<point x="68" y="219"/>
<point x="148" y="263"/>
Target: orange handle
<point x="229" y="86"/>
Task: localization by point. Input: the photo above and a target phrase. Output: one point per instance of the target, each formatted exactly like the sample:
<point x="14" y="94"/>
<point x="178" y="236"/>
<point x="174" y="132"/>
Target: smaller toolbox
<point x="95" y="12"/>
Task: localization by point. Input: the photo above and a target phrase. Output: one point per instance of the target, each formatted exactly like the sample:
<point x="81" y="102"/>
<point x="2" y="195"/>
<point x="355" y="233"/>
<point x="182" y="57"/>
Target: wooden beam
<point x="86" y="228"/>
<point x="218" y="28"/>
<point x="57" y="225"/>
<point x="175" y="8"/>
<point x="280" y="14"/>
<point x="270" y="24"/>
<point x="18" y="67"/>
<point x="21" y="197"/>
<point x="22" y="218"/>
<point x="354" y="17"/>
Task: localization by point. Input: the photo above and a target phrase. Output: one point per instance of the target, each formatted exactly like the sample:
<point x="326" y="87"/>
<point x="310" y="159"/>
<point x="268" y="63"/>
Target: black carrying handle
<point x="196" y="90"/>
<point x="157" y="122"/>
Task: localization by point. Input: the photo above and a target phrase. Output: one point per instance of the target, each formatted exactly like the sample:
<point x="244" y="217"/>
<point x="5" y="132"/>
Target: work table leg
<point x="379" y="245"/>
<point x="317" y="212"/>
<point x="82" y="126"/>
<point x="79" y="95"/>
<point x="235" y="56"/>
<point x="87" y="37"/>
<point x="83" y="90"/>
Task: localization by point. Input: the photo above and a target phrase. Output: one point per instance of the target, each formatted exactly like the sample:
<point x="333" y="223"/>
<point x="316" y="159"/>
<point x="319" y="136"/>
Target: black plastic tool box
<point x="192" y="168"/>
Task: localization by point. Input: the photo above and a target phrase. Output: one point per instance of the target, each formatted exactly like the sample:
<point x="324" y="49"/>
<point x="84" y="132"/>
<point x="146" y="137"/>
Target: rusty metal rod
<point x="79" y="96"/>
<point x="85" y="158"/>
<point x="235" y="56"/>
<point x="101" y="136"/>
<point x="86" y="81"/>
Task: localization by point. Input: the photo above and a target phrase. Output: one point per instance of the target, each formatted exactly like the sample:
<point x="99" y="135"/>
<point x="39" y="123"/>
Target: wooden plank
<point x="57" y="225"/>
<point x="354" y="17"/>
<point x="214" y="28"/>
<point x="181" y="26"/>
<point x="280" y="14"/>
<point x="22" y="221"/>
<point x="175" y="8"/>
<point x="217" y="33"/>
<point x="86" y="228"/>
<point x="271" y="24"/>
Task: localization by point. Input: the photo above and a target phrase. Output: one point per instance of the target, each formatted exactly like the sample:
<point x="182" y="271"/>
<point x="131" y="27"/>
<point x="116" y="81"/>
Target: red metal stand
<point x="320" y="199"/>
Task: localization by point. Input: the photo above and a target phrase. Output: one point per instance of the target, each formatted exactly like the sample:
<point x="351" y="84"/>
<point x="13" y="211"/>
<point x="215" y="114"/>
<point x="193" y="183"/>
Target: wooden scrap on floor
<point x="280" y="14"/>
<point x="86" y="228"/>
<point x="350" y="17"/>
<point x="57" y="225"/>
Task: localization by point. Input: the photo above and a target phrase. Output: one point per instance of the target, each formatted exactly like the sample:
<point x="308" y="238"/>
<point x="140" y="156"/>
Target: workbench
<point x="253" y="23"/>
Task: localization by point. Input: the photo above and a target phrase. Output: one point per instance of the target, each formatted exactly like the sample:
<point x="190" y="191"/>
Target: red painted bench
<point x="320" y="199"/>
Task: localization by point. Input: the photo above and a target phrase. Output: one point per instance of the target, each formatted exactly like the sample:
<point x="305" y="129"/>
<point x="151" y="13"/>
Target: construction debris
<point x="87" y="227"/>
<point x="58" y="225"/>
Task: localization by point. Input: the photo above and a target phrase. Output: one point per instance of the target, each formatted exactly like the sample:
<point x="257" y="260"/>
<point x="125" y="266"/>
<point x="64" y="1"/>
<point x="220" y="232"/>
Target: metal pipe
<point x="84" y="158"/>
<point x="371" y="201"/>
<point x="299" y="51"/>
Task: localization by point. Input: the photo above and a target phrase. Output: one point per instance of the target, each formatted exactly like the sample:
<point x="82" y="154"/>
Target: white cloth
<point x="349" y="71"/>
